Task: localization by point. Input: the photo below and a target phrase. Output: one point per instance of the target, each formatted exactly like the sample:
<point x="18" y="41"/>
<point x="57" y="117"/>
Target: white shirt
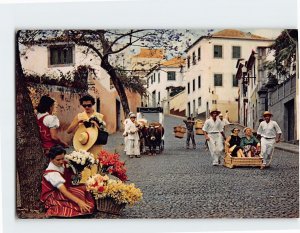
<point x="54" y="177"/>
<point x="268" y="130"/>
<point x="224" y="122"/>
<point x="211" y="126"/>
<point x="132" y="130"/>
<point x="51" y="121"/>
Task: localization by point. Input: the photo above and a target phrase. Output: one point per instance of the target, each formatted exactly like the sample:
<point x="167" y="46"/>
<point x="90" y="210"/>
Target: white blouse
<point x="54" y="177"/>
<point x="51" y="121"/>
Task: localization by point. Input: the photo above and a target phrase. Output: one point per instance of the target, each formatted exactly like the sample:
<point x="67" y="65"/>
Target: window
<point x="199" y="81"/>
<point x="194" y="84"/>
<point x="218" y="51"/>
<point x="218" y="80"/>
<point x="236" y="52"/>
<point x="171" y="76"/>
<point x="214" y="101"/>
<point x="194" y="58"/>
<point x="235" y="81"/>
<point x="189" y="109"/>
<point x="188" y="88"/>
<point x="188" y="62"/>
<point x="158" y="78"/>
<point x="199" y="101"/>
<point x="158" y="97"/>
<point x="154" y="77"/>
<point x="61" y="55"/>
<point x="199" y="53"/>
<point x="148" y="80"/>
<point x="151" y="79"/>
<point x="194" y="107"/>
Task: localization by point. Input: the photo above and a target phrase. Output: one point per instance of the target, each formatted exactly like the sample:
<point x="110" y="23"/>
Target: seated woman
<point x="59" y="197"/>
<point x="232" y="144"/>
<point x="250" y="144"/>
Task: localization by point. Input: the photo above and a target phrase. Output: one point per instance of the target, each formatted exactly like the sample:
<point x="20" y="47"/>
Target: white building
<point x="211" y="68"/>
<point x="163" y="78"/>
<point x="252" y="78"/>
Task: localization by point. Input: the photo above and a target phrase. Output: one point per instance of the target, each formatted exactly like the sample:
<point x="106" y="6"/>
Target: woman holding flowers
<point x="60" y="198"/>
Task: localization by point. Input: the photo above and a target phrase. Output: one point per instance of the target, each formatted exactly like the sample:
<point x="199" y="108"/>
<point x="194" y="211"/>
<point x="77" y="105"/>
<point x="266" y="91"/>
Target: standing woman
<point x="88" y="115"/>
<point x="59" y="197"/>
<point x="48" y="124"/>
<point x="86" y="119"/>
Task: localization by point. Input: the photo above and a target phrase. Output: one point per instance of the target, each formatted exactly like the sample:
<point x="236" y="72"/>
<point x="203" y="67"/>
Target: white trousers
<point x="125" y="144"/>
<point x="133" y="147"/>
<point x="215" y="145"/>
<point x="267" y="148"/>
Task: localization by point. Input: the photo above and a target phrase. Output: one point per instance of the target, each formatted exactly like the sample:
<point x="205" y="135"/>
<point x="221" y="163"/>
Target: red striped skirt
<point x="58" y="205"/>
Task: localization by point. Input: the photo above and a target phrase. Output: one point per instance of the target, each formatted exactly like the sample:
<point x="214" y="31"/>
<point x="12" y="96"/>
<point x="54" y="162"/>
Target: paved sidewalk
<point x="293" y="148"/>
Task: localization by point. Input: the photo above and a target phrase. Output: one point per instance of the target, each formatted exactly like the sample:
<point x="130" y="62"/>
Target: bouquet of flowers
<point x="110" y="163"/>
<point x="119" y="192"/>
<point x="78" y="160"/>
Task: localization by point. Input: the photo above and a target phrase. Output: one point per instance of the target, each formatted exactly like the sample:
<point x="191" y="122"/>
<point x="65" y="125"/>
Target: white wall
<point x="160" y="87"/>
<point x="35" y="61"/>
<point x="208" y="66"/>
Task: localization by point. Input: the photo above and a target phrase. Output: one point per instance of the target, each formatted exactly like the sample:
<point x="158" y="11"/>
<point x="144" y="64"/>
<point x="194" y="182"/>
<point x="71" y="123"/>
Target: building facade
<point x="162" y="80"/>
<point x="65" y="72"/>
<point x="211" y="69"/>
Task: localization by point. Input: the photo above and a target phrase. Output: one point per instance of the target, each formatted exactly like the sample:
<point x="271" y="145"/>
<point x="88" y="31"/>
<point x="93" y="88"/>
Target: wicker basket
<point x="231" y="162"/>
<point x="179" y="135"/>
<point x="199" y="132"/>
<point x="183" y="130"/>
<point x="177" y="129"/>
<point x="107" y="205"/>
<point x="198" y="124"/>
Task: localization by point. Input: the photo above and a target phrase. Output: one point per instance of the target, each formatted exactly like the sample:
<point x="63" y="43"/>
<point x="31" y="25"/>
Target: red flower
<point x="101" y="189"/>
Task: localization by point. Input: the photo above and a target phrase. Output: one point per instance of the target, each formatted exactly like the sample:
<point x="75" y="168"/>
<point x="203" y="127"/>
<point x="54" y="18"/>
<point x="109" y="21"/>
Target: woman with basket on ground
<point x="60" y="198"/>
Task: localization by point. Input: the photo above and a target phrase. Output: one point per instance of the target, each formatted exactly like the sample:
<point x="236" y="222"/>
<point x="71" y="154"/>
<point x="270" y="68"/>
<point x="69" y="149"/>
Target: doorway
<point x="290" y="120"/>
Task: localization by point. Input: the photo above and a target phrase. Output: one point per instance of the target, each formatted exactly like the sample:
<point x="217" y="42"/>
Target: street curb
<point x="287" y="150"/>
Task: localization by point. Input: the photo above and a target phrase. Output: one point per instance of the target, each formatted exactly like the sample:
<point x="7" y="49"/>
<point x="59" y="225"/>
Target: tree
<point x="29" y="153"/>
<point x="285" y="47"/>
<point x="107" y="44"/>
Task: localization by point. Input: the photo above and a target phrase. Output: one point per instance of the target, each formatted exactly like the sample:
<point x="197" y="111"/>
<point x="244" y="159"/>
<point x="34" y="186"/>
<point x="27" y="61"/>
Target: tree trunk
<point x="117" y="83"/>
<point x="29" y="153"/>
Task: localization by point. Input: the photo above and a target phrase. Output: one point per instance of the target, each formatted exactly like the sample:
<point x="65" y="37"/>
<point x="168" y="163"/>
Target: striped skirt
<point x="58" y="205"/>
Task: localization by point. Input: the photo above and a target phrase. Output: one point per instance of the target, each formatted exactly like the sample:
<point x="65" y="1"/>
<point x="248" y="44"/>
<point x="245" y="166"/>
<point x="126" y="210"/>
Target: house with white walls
<point x="65" y="72"/>
<point x="162" y="80"/>
<point x="211" y="68"/>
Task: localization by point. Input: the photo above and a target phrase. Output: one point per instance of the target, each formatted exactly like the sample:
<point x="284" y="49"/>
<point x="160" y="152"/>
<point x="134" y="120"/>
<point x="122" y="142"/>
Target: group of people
<point x="247" y="146"/>
<point x="60" y="198"/>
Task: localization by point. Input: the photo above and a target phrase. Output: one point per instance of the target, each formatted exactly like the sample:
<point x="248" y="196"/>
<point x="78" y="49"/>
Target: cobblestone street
<point x="182" y="183"/>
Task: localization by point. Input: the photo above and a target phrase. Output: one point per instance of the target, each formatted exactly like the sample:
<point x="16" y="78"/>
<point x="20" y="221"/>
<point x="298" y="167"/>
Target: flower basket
<point x="108" y="205"/>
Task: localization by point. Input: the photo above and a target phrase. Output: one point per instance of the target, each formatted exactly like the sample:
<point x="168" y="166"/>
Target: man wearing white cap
<point x="223" y="120"/>
<point x="133" y="139"/>
<point x="270" y="133"/>
<point x="213" y="132"/>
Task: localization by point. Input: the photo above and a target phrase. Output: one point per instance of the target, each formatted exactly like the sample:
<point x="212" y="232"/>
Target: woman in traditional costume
<point x="61" y="199"/>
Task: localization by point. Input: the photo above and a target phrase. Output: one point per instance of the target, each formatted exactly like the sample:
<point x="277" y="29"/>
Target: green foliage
<point x="285" y="52"/>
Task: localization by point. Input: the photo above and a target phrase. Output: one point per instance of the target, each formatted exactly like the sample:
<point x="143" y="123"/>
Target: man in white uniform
<point x="270" y="133"/>
<point x="213" y="132"/>
<point x="133" y="139"/>
<point x="223" y="120"/>
<point x="125" y="134"/>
